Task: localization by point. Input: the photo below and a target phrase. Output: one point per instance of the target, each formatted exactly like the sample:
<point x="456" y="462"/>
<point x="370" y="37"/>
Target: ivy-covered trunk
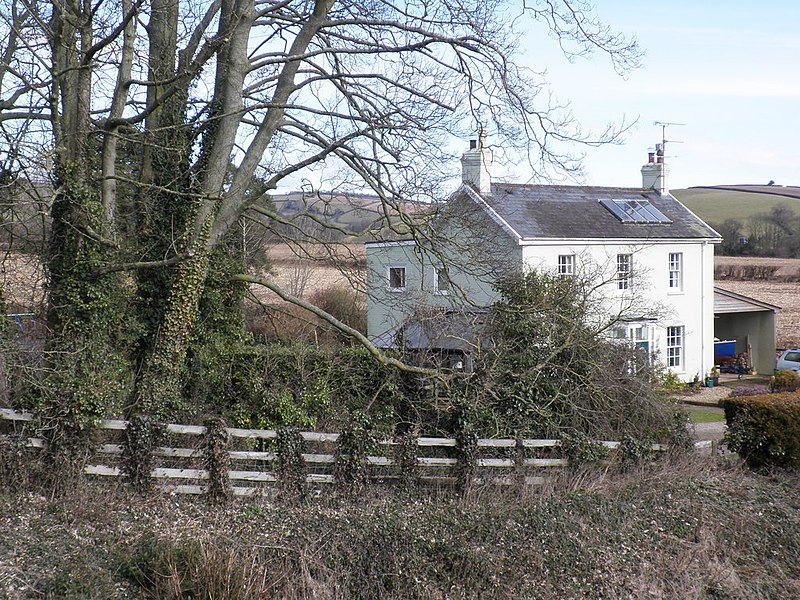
<point x="5" y="391"/>
<point x="87" y="371"/>
<point x="159" y="390"/>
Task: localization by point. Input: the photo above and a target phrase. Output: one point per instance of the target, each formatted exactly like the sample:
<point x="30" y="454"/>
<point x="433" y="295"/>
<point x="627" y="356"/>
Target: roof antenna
<point x="664" y="140"/>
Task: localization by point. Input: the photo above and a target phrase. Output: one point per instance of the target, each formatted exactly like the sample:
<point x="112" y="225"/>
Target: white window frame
<point x="639" y="334"/>
<point x="389" y="285"/>
<point x="676" y="271"/>
<point x="624" y="271"/>
<point x="440" y="273"/>
<point x="566" y="265"/>
<point x="676" y="339"/>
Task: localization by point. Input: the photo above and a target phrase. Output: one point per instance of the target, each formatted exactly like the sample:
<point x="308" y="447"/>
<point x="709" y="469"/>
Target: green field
<point x="715" y="206"/>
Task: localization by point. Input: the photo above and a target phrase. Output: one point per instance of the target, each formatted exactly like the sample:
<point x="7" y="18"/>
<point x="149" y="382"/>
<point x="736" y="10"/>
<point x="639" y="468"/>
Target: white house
<point x="651" y="257"/>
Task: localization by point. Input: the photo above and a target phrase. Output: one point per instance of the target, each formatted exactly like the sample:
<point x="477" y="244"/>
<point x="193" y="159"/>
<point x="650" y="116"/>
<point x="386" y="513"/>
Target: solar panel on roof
<point x="634" y="211"/>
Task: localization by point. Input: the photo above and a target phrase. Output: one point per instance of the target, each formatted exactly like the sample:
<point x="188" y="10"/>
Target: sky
<point x="727" y="71"/>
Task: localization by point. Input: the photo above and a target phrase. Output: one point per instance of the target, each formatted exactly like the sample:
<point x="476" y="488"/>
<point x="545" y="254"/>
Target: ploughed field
<point x="772" y="280"/>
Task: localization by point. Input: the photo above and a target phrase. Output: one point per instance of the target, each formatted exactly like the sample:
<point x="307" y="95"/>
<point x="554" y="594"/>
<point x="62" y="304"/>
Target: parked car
<point x="789" y="359"/>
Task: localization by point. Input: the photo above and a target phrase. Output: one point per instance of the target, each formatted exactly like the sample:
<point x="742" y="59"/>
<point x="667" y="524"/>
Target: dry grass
<point x="682" y="530"/>
<point x="306" y="271"/>
<point x="23" y="281"/>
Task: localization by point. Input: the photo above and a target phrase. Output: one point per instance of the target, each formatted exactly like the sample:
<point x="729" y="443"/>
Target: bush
<point x="765" y="430"/>
<point x="345" y="304"/>
<point x="784" y="381"/>
<point x="670" y="382"/>
<point x="311" y="388"/>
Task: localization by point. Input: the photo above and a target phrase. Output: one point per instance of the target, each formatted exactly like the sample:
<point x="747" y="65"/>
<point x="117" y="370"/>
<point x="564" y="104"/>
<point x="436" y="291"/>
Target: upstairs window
<point x="675" y="271"/>
<point x="566" y="265"/>
<point x="624" y="271"/>
<point x="441" y="281"/>
<point x="397" y="279"/>
<point x="675" y="357"/>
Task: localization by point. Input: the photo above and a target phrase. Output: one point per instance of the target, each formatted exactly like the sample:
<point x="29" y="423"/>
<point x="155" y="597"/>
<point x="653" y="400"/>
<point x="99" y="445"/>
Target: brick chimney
<point x="656" y="172"/>
<point x="476" y="164"/>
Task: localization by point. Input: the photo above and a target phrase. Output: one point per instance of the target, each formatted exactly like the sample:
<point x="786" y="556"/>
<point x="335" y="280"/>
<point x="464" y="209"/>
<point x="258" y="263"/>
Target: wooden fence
<point x="253" y="455"/>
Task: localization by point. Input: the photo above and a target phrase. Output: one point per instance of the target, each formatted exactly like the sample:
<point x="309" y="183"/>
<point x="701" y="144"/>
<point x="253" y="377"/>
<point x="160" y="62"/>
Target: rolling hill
<point x="741" y="202"/>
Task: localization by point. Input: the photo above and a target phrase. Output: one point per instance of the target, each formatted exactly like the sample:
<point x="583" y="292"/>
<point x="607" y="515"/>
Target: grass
<point x="682" y="529"/>
<point x="705" y="415"/>
<point x="716" y="206"/>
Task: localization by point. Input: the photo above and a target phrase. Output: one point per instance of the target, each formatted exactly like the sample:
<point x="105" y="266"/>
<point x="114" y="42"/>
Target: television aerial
<point x="664" y="140"/>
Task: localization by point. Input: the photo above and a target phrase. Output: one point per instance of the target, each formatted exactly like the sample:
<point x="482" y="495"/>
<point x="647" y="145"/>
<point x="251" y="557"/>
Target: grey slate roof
<point x="560" y="211"/>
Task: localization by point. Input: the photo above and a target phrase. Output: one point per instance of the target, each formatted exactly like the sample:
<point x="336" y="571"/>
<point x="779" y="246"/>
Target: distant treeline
<point x="773" y="233"/>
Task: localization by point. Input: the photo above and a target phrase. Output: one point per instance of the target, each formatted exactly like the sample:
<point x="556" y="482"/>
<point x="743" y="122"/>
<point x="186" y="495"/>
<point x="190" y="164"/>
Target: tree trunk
<point x="159" y="390"/>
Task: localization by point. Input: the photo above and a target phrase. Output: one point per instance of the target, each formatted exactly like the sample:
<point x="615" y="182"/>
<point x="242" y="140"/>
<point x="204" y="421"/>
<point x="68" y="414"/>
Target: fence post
<point x="290" y="466"/>
<point x="142" y="435"/>
<point x="406" y="455"/>
<point x="217" y="461"/>
<point x="356" y="439"/>
<point x="519" y="462"/>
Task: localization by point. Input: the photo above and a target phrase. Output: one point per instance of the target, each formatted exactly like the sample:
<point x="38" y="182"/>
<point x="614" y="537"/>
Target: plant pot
<point x="710" y="381"/>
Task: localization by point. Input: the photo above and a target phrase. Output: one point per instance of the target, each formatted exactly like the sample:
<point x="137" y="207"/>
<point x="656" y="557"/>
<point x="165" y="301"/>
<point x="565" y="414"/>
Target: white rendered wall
<point x="691" y="306"/>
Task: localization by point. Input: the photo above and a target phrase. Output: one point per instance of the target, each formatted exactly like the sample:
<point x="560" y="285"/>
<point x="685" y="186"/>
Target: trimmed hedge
<point x="765" y="429"/>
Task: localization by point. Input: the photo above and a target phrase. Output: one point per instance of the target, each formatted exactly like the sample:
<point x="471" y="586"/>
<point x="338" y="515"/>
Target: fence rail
<point x="253" y="457"/>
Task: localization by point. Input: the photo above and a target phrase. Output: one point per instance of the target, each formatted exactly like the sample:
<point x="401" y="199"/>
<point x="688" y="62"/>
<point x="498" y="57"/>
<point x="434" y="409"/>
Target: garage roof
<point x="726" y="302"/>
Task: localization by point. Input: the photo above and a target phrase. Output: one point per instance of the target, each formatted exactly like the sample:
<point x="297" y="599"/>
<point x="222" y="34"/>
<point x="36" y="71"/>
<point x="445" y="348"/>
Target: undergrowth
<point x="685" y="530"/>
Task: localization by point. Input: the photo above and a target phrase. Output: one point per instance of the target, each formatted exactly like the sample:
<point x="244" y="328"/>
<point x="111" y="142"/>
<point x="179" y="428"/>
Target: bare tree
<point x="153" y="118"/>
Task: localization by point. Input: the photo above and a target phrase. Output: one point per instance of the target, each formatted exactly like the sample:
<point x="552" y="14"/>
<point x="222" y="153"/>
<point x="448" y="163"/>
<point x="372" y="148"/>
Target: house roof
<point x="570" y="212"/>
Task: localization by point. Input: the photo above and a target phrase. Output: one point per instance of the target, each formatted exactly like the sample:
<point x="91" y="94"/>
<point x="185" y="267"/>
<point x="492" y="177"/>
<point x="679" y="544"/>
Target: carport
<point x="751" y="323"/>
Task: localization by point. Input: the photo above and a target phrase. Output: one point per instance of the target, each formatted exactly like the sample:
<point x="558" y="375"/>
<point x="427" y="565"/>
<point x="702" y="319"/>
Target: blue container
<point x="725" y="348"/>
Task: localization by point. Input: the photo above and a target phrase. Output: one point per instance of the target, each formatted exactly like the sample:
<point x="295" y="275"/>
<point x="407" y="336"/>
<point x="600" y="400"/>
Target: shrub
<point x="344" y="303"/>
<point x="581" y="450"/>
<point x="309" y="388"/>
<point x="633" y="452"/>
<point x="670" y="382"/>
<point x="765" y="430"/>
<point x="784" y="381"/>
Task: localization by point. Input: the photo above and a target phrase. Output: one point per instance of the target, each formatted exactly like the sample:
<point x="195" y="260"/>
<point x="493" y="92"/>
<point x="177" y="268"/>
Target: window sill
<point x="396" y="290"/>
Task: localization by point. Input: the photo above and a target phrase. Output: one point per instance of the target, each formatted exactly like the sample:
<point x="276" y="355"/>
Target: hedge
<point x="765" y="429"/>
